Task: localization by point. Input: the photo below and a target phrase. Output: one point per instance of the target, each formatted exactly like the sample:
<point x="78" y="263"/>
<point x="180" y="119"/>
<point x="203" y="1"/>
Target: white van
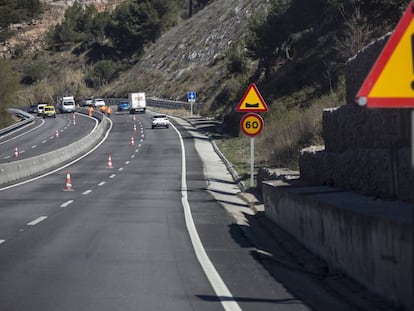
<point x="66" y="104"/>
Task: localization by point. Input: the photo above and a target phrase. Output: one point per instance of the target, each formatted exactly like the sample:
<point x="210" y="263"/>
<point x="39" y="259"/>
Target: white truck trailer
<point x="66" y="104"/>
<point x="137" y="102"/>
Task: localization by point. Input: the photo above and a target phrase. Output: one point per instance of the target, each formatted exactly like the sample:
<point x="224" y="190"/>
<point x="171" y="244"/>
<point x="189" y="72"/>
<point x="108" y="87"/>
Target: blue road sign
<point x="191" y="96"/>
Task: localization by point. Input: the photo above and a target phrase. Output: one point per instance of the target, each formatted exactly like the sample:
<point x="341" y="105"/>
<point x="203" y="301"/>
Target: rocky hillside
<point x="190" y="57"/>
<point x="30" y="36"/>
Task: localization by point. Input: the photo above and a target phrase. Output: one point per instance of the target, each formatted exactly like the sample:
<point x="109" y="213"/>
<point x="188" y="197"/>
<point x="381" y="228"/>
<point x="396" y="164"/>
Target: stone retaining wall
<point x="369" y="240"/>
<point x="366" y="150"/>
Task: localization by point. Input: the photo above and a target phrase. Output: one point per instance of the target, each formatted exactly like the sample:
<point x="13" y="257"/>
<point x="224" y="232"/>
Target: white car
<point x="98" y="102"/>
<point x="40" y="109"/>
<point x="160" y="120"/>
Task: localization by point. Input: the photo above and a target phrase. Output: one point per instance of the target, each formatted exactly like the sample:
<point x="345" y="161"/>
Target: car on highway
<point x="98" y="102"/>
<point x="160" y="120"/>
<point x="40" y="107"/>
<point x="49" y="111"/>
<point x="87" y="102"/>
<point x="32" y="108"/>
<point x="124" y="106"/>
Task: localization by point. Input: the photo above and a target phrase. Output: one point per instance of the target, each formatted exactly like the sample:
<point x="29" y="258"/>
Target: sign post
<point x="191" y="98"/>
<point x="251" y="123"/>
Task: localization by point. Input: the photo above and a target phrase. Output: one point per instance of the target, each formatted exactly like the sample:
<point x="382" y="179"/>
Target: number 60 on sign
<point x="251" y="124"/>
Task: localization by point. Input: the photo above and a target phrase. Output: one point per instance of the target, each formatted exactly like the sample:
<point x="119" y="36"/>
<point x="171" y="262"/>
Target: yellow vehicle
<point x="49" y="111"/>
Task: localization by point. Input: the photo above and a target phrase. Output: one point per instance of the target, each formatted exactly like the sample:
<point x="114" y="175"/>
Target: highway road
<point x="44" y="135"/>
<point x="122" y="239"/>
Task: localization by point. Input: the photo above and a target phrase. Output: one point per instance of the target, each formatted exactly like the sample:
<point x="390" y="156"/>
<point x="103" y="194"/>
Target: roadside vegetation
<point x="294" y="51"/>
<point x="15" y="12"/>
<point x="296" y="54"/>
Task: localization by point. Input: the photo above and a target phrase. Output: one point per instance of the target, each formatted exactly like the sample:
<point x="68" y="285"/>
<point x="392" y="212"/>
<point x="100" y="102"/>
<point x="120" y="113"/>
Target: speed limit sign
<point x="251" y="124"/>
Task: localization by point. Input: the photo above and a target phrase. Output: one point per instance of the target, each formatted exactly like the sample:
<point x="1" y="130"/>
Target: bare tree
<point x="357" y="33"/>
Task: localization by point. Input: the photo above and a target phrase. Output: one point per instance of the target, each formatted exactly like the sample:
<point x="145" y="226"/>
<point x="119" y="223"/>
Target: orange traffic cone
<point x="132" y="141"/>
<point x="57" y="134"/>
<point x="135" y="127"/>
<point x="16" y="152"/>
<point x="68" y="186"/>
<point x="109" y="162"/>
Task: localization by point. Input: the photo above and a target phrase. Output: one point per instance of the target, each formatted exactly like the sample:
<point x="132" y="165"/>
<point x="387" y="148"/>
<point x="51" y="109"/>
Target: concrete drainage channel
<point x="31" y="167"/>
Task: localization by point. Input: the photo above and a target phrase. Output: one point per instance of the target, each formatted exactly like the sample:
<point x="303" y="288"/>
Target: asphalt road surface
<point x="44" y="135"/>
<point x="120" y="239"/>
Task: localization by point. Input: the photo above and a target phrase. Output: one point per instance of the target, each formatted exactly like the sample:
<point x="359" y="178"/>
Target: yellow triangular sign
<point x="390" y="84"/>
<point x="252" y="101"/>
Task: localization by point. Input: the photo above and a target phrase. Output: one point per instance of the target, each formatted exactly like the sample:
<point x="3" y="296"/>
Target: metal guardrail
<point x="158" y="102"/>
<point x="26" y="119"/>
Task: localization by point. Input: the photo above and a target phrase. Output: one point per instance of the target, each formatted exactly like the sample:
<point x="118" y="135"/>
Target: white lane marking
<point x="102" y="183"/>
<point x="51" y="137"/>
<point x="112" y="176"/>
<point x="36" y="221"/>
<point x="2" y="241"/>
<point x="87" y="192"/>
<point x="221" y="290"/>
<point x="121" y="169"/>
<point x="133" y="156"/>
<point x="8" y="157"/>
<point x="44" y="141"/>
<point x="127" y="162"/>
<point x="22" y="151"/>
<point x="66" y="204"/>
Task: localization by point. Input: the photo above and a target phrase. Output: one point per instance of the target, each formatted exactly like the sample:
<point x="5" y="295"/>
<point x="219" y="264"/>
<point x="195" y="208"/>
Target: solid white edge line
<point x="66" y="165"/>
<point x="220" y="288"/>
<point x="36" y="221"/>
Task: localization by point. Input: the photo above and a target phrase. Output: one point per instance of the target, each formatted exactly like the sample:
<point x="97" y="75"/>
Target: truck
<point x="137" y="102"/>
<point x="66" y="104"/>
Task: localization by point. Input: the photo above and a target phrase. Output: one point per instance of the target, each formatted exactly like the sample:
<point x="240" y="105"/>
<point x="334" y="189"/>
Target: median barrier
<point x="25" y="168"/>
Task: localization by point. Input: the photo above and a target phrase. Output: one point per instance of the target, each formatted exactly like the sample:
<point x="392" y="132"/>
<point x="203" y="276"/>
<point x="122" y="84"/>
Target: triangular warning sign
<point x="252" y="101"/>
<point x="390" y="84"/>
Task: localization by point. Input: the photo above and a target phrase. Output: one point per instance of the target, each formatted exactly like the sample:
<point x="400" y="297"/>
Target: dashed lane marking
<point x="44" y="141"/>
<point x="121" y="169"/>
<point x="2" y="241"/>
<point x="66" y="204"/>
<point x="102" y="183"/>
<point x="87" y="192"/>
<point x="127" y="162"/>
<point x="112" y="176"/>
<point x="36" y="221"/>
